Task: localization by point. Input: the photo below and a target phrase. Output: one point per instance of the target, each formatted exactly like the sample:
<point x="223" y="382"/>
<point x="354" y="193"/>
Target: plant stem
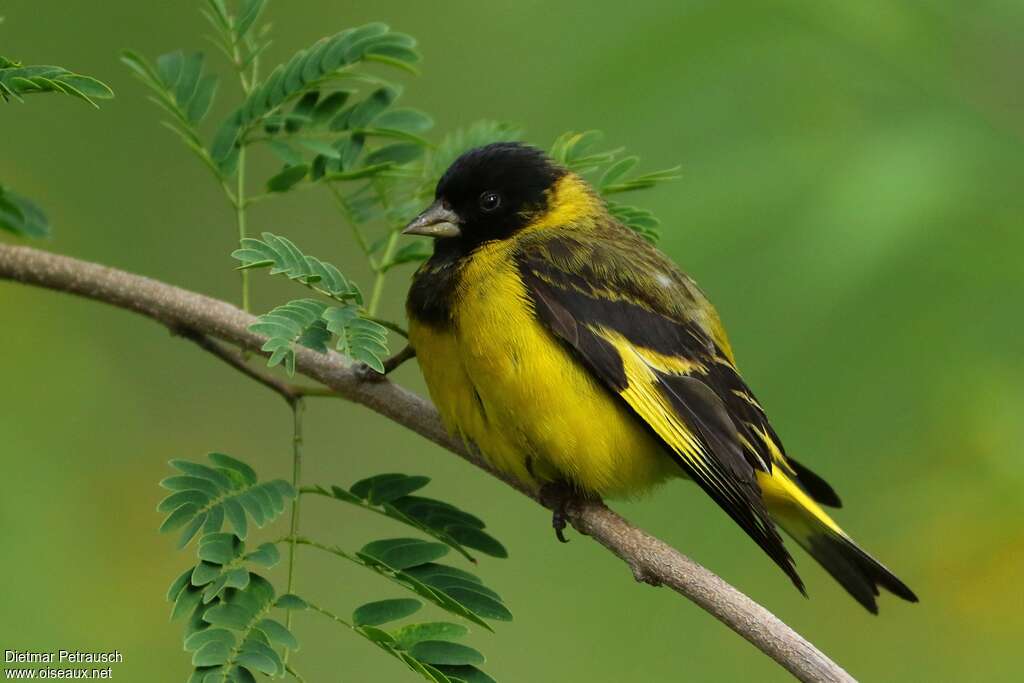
<point x="327" y="613"/>
<point x="240" y="201"/>
<point x="378" y="282"/>
<point x="298" y="408"/>
<point x="240" y="217"/>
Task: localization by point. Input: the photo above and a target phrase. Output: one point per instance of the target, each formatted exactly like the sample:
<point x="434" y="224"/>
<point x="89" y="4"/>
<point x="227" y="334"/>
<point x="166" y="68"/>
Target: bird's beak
<point x="436" y="221"/>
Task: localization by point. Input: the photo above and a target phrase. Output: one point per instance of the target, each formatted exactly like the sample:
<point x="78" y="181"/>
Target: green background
<point x="851" y="201"/>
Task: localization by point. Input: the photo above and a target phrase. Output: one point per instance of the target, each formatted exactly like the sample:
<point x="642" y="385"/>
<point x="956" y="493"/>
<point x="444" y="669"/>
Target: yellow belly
<point x="501" y="381"/>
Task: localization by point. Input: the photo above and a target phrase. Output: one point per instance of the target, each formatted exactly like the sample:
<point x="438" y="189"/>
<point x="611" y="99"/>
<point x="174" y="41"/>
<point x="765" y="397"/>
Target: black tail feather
<point x="859" y="573"/>
<point x="816" y="487"/>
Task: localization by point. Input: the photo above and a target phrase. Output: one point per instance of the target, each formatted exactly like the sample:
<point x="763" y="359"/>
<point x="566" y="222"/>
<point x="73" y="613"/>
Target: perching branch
<point x="650" y="559"/>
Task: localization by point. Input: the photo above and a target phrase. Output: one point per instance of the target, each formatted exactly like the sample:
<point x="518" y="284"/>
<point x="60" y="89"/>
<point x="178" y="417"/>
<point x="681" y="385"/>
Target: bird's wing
<point x="647" y="333"/>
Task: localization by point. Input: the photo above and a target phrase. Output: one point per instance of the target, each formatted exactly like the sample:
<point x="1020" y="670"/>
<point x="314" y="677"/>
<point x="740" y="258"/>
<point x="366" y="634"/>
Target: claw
<point x="557" y="496"/>
<point x="558" y="521"/>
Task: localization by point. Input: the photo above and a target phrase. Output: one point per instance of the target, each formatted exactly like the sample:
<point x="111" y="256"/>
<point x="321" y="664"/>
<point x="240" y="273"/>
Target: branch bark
<point x="650" y="559"/>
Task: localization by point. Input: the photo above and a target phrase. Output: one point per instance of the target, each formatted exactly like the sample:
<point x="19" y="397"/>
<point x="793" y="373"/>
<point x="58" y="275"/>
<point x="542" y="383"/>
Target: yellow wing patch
<point x="653" y="407"/>
<point x="788" y="501"/>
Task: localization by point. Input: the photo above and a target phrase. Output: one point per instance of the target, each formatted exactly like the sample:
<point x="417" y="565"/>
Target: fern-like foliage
<point x="203" y="496"/>
<point x="179" y="84"/>
<point x="391" y="495"/>
<point x="233" y="630"/>
<point x="20" y="215"/>
<point x="328" y="61"/>
<point x="18" y="80"/>
<point x="230" y="630"/>
<point x="238" y="35"/>
<point x="282" y="257"/>
<point x="577" y="152"/>
<point x="236" y="636"/>
<point x="296" y="322"/>
<point x="308" y="322"/>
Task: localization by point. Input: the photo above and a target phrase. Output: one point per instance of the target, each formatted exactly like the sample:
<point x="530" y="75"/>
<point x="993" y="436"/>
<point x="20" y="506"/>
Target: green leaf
<point x="402" y="553"/>
<point x="329" y="106"/>
<point x="398" y="153"/>
<point x="266" y="555"/>
<point x="18" y="80"/>
<point x="290" y="601"/>
<point x="364" y="113"/>
<point x="22" y="216"/>
<point x="384" y="488"/>
<point x="360" y="339"/>
<point x="302" y="112"/>
<point x="209" y="635"/>
<point x="617" y="170"/>
<point x="482" y="604"/>
<point x="288" y="178"/>
<point x="473" y="537"/>
<point x="469" y="674"/>
<point x="203" y="98"/>
<point x="383" y="611"/>
<point x="249" y="11"/>
<point x="283" y="257"/>
<point x="178" y="585"/>
<point x="278" y="634"/>
<point x="376" y="635"/>
<point x="463" y="587"/>
<point x="224" y="141"/>
<point x="220" y="548"/>
<point x="187" y="600"/>
<point x="212" y="654"/>
<point x="320" y="147"/>
<point x="436" y="513"/>
<point x="209" y="495"/>
<point x="296" y="322"/>
<point x="409" y="635"/>
<point x="228" y="464"/>
<point x="306" y="71"/>
<point x="446" y="652"/>
<point x="407" y="120"/>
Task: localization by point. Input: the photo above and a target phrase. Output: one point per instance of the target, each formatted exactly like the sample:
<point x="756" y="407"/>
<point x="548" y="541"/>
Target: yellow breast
<point x="503" y="382"/>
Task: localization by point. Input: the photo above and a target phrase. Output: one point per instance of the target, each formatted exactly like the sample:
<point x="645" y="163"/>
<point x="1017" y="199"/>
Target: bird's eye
<point x="490" y="201"/>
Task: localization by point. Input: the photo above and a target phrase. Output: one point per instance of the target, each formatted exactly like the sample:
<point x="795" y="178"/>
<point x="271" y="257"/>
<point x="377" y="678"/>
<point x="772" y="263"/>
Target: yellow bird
<point x="572" y="352"/>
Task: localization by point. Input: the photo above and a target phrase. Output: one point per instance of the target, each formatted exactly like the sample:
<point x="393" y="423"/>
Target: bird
<point x="572" y="353"/>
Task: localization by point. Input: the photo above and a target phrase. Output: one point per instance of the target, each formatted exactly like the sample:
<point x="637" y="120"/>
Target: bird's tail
<point x="811" y="527"/>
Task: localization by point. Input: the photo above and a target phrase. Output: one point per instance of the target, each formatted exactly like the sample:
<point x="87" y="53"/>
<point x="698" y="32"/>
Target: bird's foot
<point x="558" y="496"/>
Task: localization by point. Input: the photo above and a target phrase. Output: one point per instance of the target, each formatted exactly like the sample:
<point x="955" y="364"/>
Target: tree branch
<point x="650" y="559"/>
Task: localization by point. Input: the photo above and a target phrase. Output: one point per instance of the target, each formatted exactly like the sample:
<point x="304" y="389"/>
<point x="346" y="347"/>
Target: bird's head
<point x="489" y="193"/>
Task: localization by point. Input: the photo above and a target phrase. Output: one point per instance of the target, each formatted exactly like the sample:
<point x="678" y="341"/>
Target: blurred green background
<point x="852" y="203"/>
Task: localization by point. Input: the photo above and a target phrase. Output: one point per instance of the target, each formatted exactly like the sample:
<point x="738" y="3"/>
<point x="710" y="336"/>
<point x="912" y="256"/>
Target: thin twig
<point x="648" y="558"/>
<point x="384" y="322"/>
<point x="286" y="391"/>
<point x="391" y="364"/>
<point x="298" y="408"/>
